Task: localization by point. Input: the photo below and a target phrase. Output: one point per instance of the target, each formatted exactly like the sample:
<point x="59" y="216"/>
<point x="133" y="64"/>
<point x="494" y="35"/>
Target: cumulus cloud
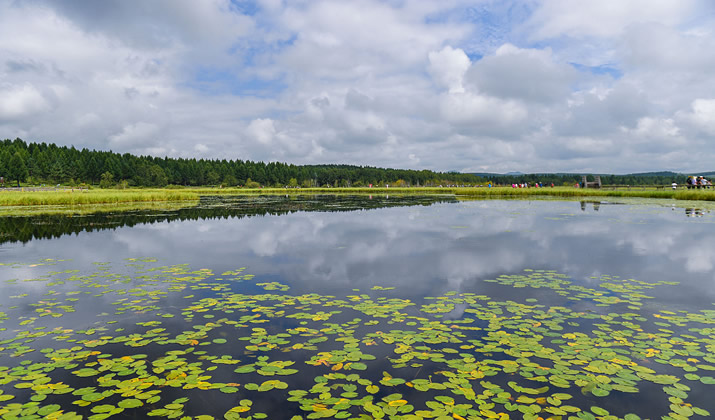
<point x="359" y="38"/>
<point x="261" y="130"/>
<point x="600" y="111"/>
<point x="605" y="18"/>
<point x="448" y="67"/>
<point x="157" y="24"/>
<point x="133" y="135"/>
<point x="605" y="86"/>
<point x="665" y="49"/>
<point x="656" y="129"/>
<point x="701" y="116"/>
<point x="481" y="110"/>
<point x="20" y="101"/>
<point x="529" y="74"/>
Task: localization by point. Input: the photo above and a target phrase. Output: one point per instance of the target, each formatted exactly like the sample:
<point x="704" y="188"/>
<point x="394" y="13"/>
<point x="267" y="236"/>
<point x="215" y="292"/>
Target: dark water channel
<point x="360" y="307"/>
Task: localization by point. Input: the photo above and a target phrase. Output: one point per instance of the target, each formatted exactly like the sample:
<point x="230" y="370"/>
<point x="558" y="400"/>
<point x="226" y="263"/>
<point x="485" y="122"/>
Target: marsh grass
<point x="696" y="195"/>
<point x="639" y="192"/>
<point x="69" y="197"/>
<point x="92" y="197"/>
<point x="89" y="209"/>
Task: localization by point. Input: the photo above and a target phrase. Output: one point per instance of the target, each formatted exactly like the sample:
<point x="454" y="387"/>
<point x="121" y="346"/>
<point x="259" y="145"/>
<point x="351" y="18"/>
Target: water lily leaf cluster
<point x="176" y="342"/>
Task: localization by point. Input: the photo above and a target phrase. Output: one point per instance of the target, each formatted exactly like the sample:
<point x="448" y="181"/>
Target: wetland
<point x="370" y="306"/>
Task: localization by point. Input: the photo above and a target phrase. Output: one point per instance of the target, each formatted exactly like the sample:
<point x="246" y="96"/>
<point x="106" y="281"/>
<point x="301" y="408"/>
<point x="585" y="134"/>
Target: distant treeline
<point x="48" y="163"/>
<point x="651" y="178"/>
<point x="39" y="163"/>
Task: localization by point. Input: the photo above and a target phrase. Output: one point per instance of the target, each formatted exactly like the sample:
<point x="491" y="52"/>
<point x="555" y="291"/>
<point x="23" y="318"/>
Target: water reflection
<point x="596" y="205"/>
<point x="695" y="212"/>
<point x="421" y="250"/>
<point x="27" y="228"/>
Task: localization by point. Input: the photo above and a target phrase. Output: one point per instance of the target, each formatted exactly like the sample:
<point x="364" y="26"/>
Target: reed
<point x="88" y="197"/>
<point x="89" y="209"/>
<point x="81" y="197"/>
<point x="695" y="195"/>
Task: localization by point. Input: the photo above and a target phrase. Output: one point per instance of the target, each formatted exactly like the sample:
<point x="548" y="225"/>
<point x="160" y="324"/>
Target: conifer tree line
<point x="650" y="178"/>
<point x="48" y="163"/>
<point x="39" y="163"/>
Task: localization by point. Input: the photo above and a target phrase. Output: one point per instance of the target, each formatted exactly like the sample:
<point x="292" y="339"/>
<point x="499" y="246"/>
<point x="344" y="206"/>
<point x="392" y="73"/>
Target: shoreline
<point x="34" y="200"/>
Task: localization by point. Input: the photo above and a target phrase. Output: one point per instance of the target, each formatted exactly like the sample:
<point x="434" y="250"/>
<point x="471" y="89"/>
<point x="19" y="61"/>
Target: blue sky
<point x="484" y="86"/>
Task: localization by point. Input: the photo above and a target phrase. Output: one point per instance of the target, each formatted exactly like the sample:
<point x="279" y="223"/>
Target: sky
<point x="597" y="86"/>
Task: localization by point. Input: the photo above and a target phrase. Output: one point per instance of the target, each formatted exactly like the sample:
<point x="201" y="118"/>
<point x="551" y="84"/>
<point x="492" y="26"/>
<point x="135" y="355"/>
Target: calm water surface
<point x="340" y="247"/>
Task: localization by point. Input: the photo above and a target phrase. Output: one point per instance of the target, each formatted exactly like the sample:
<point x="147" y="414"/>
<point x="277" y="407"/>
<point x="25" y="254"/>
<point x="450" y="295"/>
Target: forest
<point x="43" y="163"/>
<point x="38" y="163"/>
<point x="649" y="178"/>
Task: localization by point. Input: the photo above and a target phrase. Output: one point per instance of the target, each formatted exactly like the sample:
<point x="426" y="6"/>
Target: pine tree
<point x="17" y="169"/>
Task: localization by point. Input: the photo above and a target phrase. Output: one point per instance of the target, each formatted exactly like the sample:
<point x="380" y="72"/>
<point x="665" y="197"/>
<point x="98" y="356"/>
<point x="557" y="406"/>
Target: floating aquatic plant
<point x="168" y="331"/>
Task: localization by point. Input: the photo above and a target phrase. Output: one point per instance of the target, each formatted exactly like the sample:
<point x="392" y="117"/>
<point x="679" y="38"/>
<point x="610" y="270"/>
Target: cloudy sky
<point x="613" y="86"/>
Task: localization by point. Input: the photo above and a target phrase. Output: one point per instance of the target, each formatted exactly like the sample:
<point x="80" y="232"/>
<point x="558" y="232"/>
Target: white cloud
<point x="20" y="101"/>
<point x="349" y="39"/>
<point x="159" y="24"/>
<point x="133" y="135"/>
<point x="701" y="115"/>
<point x="554" y="85"/>
<point x="261" y="130"/>
<point x="448" y="67"/>
<point x="587" y="146"/>
<point x="659" y="128"/>
<point x="605" y="18"/>
<point x="479" y="110"/>
<point x="527" y="74"/>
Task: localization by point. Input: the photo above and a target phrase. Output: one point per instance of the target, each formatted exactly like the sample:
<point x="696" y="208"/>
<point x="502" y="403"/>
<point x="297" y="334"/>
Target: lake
<point x="361" y="307"/>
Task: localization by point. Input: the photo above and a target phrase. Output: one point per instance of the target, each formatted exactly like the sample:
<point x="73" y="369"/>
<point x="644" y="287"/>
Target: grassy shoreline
<point x="90" y="209"/>
<point x="84" y="197"/>
<point x="567" y="192"/>
<point x="109" y="196"/>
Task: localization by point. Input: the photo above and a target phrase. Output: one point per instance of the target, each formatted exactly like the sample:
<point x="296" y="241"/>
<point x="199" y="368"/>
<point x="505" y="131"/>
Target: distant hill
<point x="485" y="174"/>
<point x="661" y="173"/>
